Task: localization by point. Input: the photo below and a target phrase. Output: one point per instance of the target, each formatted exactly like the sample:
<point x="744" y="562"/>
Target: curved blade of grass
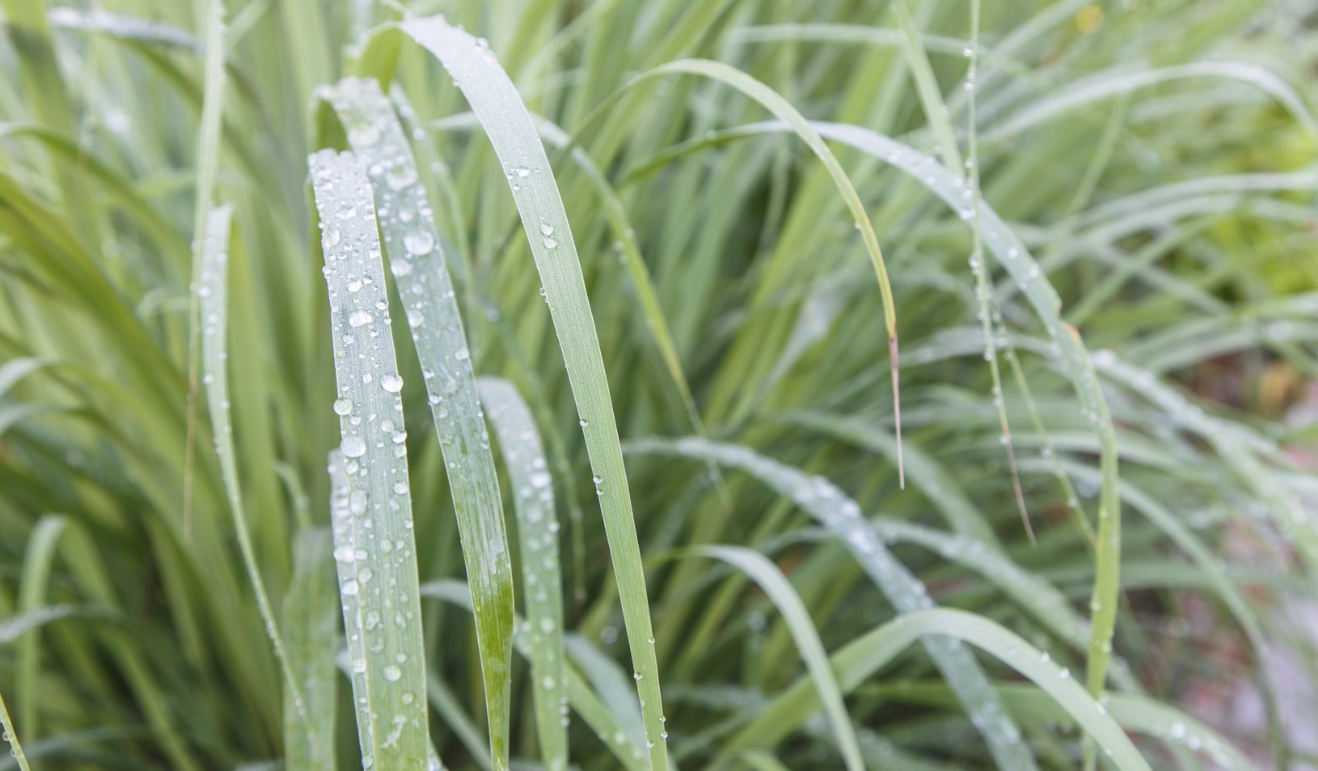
<point x="514" y="138"/>
<point x="616" y="215"/>
<point x="1035" y="595"/>
<point x="13" y="627"/>
<point x="451" y="712"/>
<point x="611" y="684"/>
<point x="862" y="657"/>
<point x="372" y="513"/>
<point x="587" y="704"/>
<point x="780" y="592"/>
<point x="417" y="262"/>
<point x="1136" y="714"/>
<point x="837" y="512"/>
<point x="789" y="115"/>
<point x="1109" y="84"/>
<point x="11" y="737"/>
<point x="39" y="554"/>
<point x="212" y="294"/>
<point x="208" y="162"/>
<point x="124" y="26"/>
<point x="537" y="534"/>
<point x="311" y="624"/>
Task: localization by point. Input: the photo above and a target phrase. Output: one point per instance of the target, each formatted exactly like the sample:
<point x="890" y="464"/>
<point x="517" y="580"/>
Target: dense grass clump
<point x="536" y="384"/>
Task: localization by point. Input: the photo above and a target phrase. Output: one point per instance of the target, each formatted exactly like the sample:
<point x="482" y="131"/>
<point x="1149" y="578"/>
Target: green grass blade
<point x="372" y="513"/>
<point x="1032" y="593"/>
<point x="513" y="136"/>
<point x="1137" y="714"/>
<point x="417" y="262"/>
<point x="213" y="307"/>
<point x="780" y="592"/>
<point x="596" y="714"/>
<point x="1106" y="85"/>
<point x="865" y="655"/>
<point x="208" y="163"/>
<point x="311" y="625"/>
<point x="346" y="533"/>
<point x="926" y="85"/>
<point x="450" y="710"/>
<point x="537" y="534"/>
<point x="31" y="596"/>
<point x="833" y="509"/>
<point x="11" y="737"/>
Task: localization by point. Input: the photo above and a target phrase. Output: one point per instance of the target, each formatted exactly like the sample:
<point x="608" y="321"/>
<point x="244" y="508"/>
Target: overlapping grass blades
<point x="416" y="260"/>
<point x="1071" y="354"/>
<point x="780" y="591"/>
<point x="372" y="503"/>
<point x="502" y="114"/>
<point x="862" y="657"/>
<point x="537" y="535"/>
<point x="841" y="515"/>
<point x="580" y="697"/>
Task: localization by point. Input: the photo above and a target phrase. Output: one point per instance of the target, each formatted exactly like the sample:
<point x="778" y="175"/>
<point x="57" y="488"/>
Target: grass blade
<point x="208" y="162"/>
<point x="842" y="516"/>
<point x="865" y="655"/>
<point x="537" y="535"/>
<point x="311" y="623"/>
<point x="11" y="737"/>
<point x="32" y="595"/>
<point x="416" y="260"/>
<point x="372" y="511"/>
<point x="213" y="295"/>
<point x="791" y="117"/>
<point x="780" y="592"/>
<point x="511" y="132"/>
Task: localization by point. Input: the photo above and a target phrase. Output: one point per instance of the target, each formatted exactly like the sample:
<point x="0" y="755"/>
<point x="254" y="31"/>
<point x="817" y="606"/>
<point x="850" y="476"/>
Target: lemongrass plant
<point x="534" y="384"/>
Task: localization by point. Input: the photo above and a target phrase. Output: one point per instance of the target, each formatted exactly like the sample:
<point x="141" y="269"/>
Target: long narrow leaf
<point x="416" y="260"/>
<point x="372" y="512"/>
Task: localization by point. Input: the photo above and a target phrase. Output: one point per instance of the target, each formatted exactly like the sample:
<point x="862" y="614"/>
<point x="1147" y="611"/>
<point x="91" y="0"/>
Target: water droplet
<point x="359" y="318"/>
<point x="353" y="447"/>
<point x="342" y="406"/>
<point x="392" y="673"/>
<point x="391" y="383"/>
<point x="546" y="229"/>
<point x="550" y="242"/>
<point x="419" y="242"/>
